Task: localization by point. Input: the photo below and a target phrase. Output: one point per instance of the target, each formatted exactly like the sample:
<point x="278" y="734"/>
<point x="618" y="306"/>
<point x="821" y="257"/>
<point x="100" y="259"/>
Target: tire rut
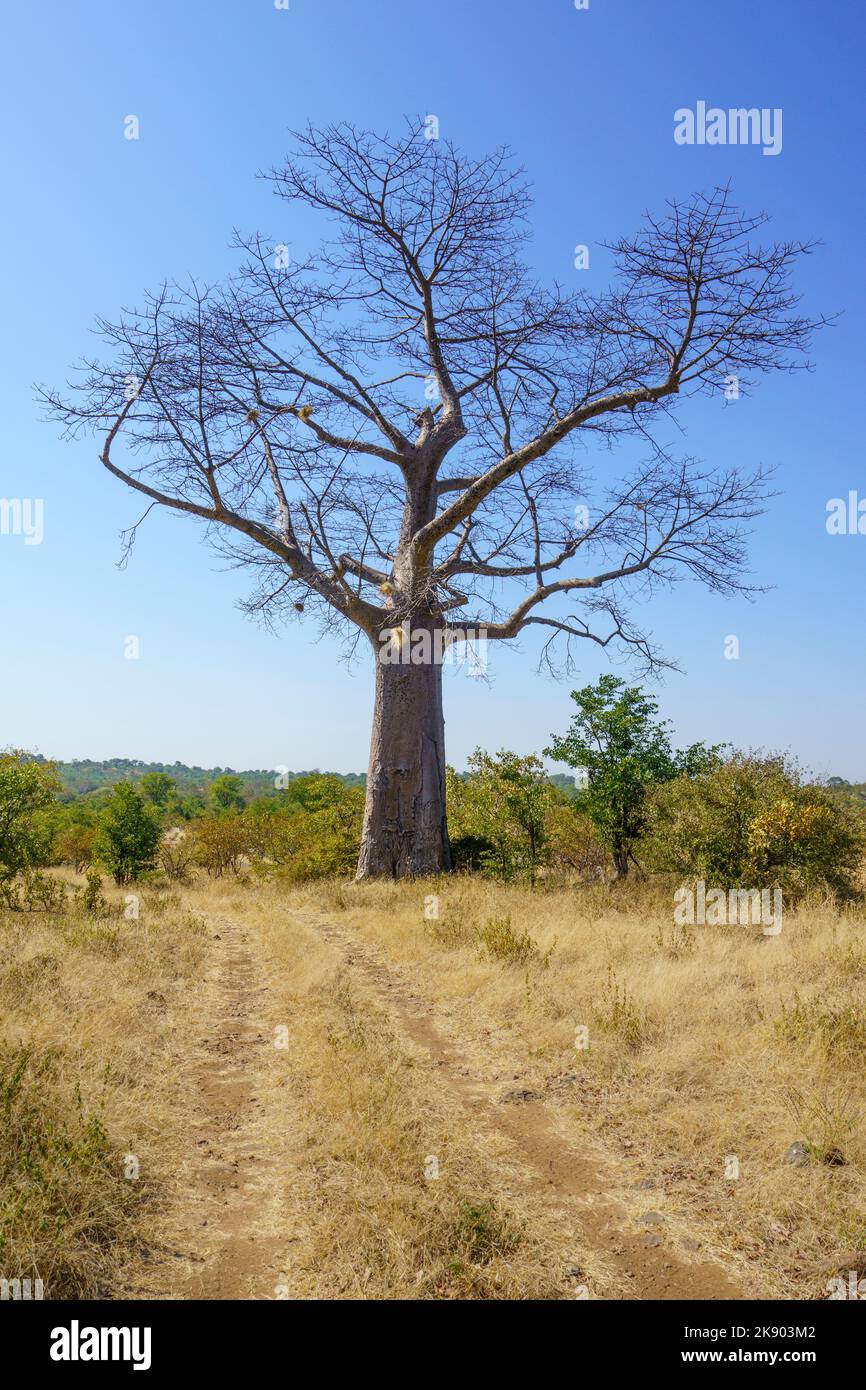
<point x="223" y="1217"/>
<point x="644" y="1264"/>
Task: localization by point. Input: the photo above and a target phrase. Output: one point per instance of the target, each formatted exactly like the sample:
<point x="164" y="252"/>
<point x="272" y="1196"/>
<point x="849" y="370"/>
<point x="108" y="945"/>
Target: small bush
<point x="498" y="940"/>
<point x="618" y="1013"/>
<point x="480" y="1233"/>
<point x="42" y="894"/>
<point x="176" y="855"/>
<point x="91" y="897"/>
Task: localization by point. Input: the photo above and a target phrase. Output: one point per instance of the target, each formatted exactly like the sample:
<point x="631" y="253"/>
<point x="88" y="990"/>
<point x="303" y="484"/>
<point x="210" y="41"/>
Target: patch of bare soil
<point x="222" y="1226"/>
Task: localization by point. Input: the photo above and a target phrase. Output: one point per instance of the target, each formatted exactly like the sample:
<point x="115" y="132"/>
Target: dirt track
<point x="228" y="1222"/>
<point x="648" y="1266"/>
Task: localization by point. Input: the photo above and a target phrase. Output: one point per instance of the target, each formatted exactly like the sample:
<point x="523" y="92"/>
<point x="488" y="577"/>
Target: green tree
<point x="75" y="844"/>
<point x="129" y="834"/>
<point x="226" y="793"/>
<point x="221" y="843"/>
<point x="310" y="829"/>
<point x="622" y="751"/>
<point x="500" y="808"/>
<point x="28" y="791"/>
<point x="156" y="788"/>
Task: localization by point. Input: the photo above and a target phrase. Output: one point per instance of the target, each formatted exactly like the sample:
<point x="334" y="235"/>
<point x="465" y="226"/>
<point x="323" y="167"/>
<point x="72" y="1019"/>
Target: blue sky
<point x="586" y="100"/>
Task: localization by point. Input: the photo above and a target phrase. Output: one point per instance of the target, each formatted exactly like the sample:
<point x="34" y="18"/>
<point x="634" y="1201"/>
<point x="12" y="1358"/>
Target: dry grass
<point x="704" y="1043"/>
<point x="394" y="1196"/>
<point x="86" y="1001"/>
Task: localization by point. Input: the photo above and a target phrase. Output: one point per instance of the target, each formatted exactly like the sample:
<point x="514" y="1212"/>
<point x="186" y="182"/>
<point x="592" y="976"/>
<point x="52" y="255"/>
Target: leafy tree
<point x="749" y="822"/>
<point x="392" y="434"/>
<point x="186" y="807"/>
<point x="503" y="801"/>
<point x="76" y="844"/>
<point x="129" y="834"/>
<point x="573" y="845"/>
<point x="226" y="793"/>
<point x="222" y="842"/>
<point x="315" y="833"/>
<point x="621" y="751"/>
<point x="157" y="788"/>
<point x="28" y="790"/>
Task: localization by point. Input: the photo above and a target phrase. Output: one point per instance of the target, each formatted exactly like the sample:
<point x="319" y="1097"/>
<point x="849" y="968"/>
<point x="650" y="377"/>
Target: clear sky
<point x="586" y="99"/>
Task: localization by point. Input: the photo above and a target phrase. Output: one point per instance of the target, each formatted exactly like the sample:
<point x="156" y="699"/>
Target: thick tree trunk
<point x="405" y="830"/>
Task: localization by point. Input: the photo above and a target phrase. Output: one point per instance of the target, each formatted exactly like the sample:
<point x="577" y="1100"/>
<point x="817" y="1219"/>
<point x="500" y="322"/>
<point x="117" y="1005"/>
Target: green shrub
<point x="749" y="822"/>
<point x="314" y="832"/>
<point x="480" y="1233"/>
<point x="498" y="813"/>
<point x="28" y="790"/>
<point x="498" y="940"/>
<point x="129" y="834"/>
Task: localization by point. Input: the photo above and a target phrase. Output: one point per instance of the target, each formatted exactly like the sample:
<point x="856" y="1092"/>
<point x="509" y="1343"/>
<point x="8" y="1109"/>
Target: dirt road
<point x="229" y="1219"/>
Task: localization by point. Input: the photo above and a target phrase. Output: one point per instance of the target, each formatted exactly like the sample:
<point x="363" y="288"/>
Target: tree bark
<point x="620" y="859"/>
<point x="405" y="829"/>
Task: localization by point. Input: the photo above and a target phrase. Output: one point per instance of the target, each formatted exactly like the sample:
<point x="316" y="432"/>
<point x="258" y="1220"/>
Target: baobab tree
<point x="396" y="433"/>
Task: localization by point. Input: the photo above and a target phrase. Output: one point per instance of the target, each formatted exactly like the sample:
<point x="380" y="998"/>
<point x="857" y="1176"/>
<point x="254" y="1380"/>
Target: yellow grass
<point x="369" y="1132"/>
<point x="705" y="1045"/>
<point x="87" y="1069"/>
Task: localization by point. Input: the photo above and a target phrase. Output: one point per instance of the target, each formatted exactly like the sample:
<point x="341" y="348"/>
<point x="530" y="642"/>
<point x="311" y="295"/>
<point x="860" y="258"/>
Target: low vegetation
<point x="723" y="1064"/>
<point x="682" y="1049"/>
<point x="85" y="1081"/>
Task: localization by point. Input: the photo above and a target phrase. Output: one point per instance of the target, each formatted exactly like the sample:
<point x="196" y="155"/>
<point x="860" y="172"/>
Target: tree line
<point x="81" y="776"/>
<point x="635" y="805"/>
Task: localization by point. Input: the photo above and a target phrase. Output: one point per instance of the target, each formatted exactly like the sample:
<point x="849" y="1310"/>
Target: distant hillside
<point x="85" y="775"/>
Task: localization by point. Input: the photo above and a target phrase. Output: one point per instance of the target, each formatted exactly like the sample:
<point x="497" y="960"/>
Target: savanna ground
<point x="261" y="1091"/>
